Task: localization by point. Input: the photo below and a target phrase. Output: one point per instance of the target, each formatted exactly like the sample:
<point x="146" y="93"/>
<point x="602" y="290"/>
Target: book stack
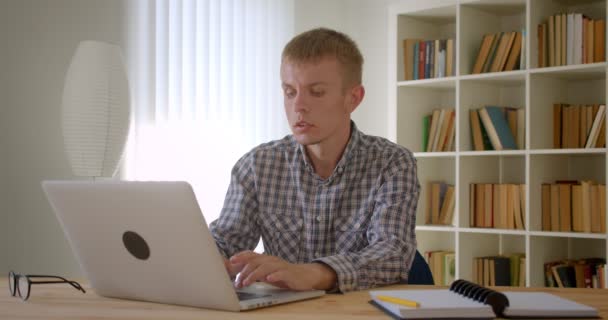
<point x="440" y="203"/>
<point x="500" y="206"/>
<point x="443" y="266"/>
<point x="579" y="126"/>
<point x="582" y="273"/>
<point x="578" y="206"/>
<point x="428" y="59"/>
<point x="438" y="130"/>
<point x="497" y="128"/>
<point x="500" y="52"/>
<point x="500" y="270"/>
<point x="571" y="38"/>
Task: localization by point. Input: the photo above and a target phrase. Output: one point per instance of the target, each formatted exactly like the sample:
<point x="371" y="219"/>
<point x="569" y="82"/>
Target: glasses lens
<point x="11" y="283"/>
<point x="24" y="287"/>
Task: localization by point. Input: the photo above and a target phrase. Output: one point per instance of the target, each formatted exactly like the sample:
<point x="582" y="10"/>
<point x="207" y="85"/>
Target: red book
<point x="587" y="273"/>
<point x="421" y="59"/>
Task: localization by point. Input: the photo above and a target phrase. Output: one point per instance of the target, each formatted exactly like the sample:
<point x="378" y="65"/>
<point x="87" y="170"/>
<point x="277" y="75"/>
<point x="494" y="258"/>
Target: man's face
<point x="316" y="102"/>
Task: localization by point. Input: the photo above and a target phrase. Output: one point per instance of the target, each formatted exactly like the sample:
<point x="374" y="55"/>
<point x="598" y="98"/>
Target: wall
<point x="366" y="22"/>
<point x="40" y="40"/>
<point x="4" y="225"/>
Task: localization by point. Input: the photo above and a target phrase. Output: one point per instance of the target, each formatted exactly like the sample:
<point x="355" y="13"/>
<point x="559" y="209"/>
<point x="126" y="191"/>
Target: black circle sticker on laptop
<point x="136" y="245"/>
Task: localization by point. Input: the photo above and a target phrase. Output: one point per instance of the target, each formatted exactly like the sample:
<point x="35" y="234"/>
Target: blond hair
<point x="313" y="45"/>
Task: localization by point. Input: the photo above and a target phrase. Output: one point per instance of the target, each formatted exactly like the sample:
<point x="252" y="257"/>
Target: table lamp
<point x="95" y="109"/>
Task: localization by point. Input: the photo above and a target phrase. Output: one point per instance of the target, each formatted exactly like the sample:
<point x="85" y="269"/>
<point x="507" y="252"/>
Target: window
<point x="206" y="88"/>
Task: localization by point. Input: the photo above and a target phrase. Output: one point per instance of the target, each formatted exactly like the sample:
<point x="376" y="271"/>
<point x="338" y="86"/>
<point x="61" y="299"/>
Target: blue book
<point x="497" y="127"/>
<point x="427" y="59"/>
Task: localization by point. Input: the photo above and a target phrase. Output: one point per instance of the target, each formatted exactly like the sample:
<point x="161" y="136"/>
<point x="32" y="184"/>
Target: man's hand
<point x="258" y="267"/>
<point x="233" y="269"/>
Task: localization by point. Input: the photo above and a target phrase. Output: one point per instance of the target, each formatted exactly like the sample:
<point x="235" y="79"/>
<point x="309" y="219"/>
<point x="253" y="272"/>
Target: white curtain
<point x="206" y="88"/>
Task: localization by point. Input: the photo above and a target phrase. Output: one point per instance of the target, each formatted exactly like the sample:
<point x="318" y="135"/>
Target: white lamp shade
<point x="95" y="109"/>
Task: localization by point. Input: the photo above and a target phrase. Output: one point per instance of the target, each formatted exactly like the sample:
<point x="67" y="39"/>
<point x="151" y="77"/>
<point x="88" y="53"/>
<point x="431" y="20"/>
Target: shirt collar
<point x="349" y="151"/>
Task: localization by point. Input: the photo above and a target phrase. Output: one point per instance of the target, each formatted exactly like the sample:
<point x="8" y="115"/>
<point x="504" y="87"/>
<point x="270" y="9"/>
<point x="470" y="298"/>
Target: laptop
<point x="149" y="241"/>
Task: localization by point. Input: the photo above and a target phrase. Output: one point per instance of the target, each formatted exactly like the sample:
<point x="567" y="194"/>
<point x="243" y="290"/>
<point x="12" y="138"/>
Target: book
<point x="443" y="127"/>
<point x="449" y="56"/>
<point x="522" y="56"/>
<point x="595" y="128"/>
<point x="515" y="53"/>
<point x="554" y="198"/>
<point x="541" y="33"/>
<point x="564" y="275"/>
<point x="557" y="125"/>
<point x="578" y="38"/>
<point x="492" y="53"/>
<point x="421" y="60"/>
<point x="447" y="207"/>
<point x="496" y="125"/>
<point x="408" y="57"/>
<point x="565" y="207"/>
<point x="483" y="52"/>
<point x="570" y="38"/>
<point x="546" y="207"/>
<point x="426" y="126"/>
<point x="433" y="129"/>
<point x="439" y="128"/>
<point x="449" y="268"/>
<point x="465" y="299"/>
<point x="563" y="40"/>
<point x="551" y="42"/>
<point x="558" y="39"/>
<point x="516" y="203"/>
<point x="602" y="205"/>
<point x="503" y="54"/>
<point x="599" y="46"/>
<point x="476" y="130"/>
<point x="588" y="39"/>
<point x="435" y="202"/>
<point x="595" y="209"/>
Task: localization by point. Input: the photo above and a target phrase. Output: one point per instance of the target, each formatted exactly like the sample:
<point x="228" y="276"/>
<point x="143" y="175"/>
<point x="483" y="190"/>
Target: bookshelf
<point x="532" y="88"/>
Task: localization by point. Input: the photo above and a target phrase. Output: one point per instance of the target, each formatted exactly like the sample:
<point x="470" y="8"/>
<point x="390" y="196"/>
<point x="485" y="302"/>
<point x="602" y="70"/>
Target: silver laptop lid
<point x="131" y="243"/>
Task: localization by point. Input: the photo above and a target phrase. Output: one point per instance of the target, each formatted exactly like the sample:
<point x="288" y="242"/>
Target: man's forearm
<point x="325" y="275"/>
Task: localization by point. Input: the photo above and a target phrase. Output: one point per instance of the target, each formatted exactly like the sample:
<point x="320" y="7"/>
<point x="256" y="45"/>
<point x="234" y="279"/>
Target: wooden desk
<point x="63" y="302"/>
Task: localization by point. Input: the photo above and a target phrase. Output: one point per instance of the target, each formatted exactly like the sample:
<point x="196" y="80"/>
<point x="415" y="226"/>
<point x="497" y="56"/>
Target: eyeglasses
<point x="21" y="285"/>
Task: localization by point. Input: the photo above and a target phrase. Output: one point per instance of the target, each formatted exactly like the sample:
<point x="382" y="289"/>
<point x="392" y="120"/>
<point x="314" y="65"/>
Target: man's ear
<point x="355" y="96"/>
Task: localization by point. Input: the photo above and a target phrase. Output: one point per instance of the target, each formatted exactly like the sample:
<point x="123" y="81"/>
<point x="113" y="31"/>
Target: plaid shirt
<point x="360" y="221"/>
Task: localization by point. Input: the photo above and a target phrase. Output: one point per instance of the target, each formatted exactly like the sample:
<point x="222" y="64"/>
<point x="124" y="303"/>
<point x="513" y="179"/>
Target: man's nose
<point x="300" y="103"/>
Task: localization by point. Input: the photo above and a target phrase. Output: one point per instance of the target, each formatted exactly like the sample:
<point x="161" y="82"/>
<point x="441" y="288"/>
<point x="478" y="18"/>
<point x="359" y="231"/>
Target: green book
<point x="426" y="125"/>
<point x="515" y="262"/>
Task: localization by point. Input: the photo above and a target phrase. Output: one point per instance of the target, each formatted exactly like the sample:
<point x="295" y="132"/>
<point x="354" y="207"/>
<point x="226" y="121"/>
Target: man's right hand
<point x="232" y="268"/>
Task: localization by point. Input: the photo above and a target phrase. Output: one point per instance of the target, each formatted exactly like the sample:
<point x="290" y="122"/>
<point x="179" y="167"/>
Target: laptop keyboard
<point x="249" y="295"/>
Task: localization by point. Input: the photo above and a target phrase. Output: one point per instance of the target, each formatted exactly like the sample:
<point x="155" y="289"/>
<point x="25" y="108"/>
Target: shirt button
<point x="317" y="254"/>
<point x="319" y="218"/>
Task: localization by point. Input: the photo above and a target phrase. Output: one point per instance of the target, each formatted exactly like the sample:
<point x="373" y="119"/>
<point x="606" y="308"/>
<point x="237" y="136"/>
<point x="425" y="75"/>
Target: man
<point x="335" y="208"/>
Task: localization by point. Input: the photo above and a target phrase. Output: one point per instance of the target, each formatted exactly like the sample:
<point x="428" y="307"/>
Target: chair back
<point x="420" y="273"/>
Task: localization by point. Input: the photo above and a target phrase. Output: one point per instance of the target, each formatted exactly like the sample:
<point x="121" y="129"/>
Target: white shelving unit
<point x="535" y="89"/>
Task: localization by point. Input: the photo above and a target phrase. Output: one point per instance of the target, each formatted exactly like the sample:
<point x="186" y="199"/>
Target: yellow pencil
<point x="403" y="302"/>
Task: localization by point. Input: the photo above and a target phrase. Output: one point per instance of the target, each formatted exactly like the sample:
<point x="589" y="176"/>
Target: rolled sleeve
<point x="391" y="236"/>
<point x="236" y="229"/>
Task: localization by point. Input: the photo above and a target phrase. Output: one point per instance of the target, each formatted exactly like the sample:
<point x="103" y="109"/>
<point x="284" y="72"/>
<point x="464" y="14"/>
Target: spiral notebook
<point x="465" y="299"/>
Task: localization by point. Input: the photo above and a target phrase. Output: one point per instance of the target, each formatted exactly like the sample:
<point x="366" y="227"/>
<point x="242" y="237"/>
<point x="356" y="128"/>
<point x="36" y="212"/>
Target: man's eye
<point x="317" y="93"/>
<point x="290" y="93"/>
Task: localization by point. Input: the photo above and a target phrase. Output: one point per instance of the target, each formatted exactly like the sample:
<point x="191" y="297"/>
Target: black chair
<point x="420" y="273"/>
